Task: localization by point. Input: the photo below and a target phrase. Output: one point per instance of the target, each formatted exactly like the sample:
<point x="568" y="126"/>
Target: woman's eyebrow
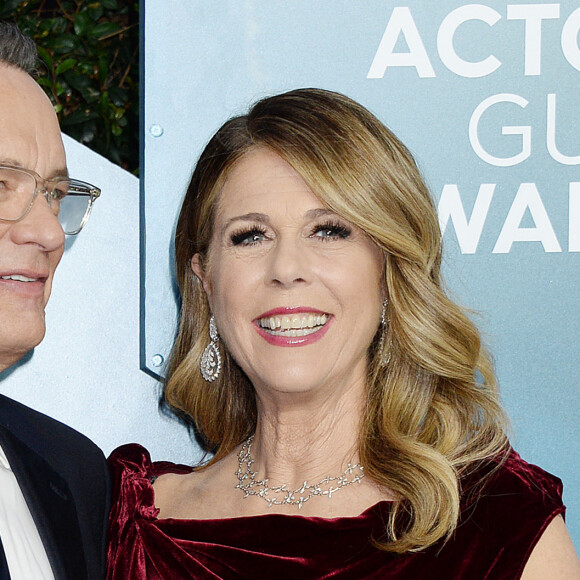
<point x="318" y="213"/>
<point x="248" y="217"/>
<point x="263" y="218"/>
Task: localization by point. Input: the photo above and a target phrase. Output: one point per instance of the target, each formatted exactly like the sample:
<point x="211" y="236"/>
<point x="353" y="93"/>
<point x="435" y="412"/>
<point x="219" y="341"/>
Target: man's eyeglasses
<point x="71" y="200"/>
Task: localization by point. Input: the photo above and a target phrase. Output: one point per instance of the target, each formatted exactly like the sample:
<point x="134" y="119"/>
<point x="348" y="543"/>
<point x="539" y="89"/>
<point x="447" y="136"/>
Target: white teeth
<point x="295" y="325"/>
<point x="19" y="278"/>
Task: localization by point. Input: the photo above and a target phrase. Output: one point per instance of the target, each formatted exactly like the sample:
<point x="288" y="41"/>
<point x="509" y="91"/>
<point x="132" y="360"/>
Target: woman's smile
<point x="292" y="326"/>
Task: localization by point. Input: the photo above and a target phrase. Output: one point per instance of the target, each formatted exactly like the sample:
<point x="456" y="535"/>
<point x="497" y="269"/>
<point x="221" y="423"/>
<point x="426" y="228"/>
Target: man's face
<point x="30" y="249"/>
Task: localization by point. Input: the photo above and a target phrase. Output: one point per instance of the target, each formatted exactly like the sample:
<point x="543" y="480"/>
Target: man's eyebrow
<point x="10" y="162"/>
<point x="62" y="172"/>
<point x="58" y="173"/>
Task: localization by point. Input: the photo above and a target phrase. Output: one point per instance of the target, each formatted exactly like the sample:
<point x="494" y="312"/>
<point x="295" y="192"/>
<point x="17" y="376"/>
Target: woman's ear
<point x="197" y="269"/>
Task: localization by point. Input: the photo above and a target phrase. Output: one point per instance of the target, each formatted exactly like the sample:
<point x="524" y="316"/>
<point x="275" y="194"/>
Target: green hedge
<point x="90" y="69"/>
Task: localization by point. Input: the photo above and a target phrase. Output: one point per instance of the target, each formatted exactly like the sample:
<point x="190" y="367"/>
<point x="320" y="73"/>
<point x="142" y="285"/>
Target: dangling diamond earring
<point x="384" y="330"/>
<point x="211" y="360"/>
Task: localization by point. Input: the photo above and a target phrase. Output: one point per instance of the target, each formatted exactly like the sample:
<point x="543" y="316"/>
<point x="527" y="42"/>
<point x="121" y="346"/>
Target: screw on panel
<point x="157" y="360"/>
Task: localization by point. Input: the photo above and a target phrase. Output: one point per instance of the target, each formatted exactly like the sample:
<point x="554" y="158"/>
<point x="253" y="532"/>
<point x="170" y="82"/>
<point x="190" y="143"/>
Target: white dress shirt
<point x="25" y="554"/>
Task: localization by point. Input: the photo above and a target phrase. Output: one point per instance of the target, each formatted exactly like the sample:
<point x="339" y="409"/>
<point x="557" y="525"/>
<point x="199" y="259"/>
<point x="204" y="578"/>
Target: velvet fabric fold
<point x="495" y="536"/>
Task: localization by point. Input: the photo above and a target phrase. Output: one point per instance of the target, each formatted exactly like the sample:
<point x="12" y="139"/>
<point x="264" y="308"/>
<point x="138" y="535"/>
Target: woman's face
<point x="295" y="289"/>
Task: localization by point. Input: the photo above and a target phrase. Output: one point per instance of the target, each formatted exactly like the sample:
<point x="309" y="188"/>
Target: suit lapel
<point x="4" y="573"/>
<point x="51" y="505"/>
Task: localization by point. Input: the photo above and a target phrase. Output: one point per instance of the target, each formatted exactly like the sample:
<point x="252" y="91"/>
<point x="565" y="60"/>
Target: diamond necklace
<point x="281" y="494"/>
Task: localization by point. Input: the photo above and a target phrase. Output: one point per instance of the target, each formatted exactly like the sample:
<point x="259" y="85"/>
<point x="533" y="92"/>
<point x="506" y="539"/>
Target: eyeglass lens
<point x="17" y="189"/>
<point x="73" y="212"/>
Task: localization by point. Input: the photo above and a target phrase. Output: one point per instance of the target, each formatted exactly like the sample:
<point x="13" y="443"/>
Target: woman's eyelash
<point x="247" y="236"/>
<point x="331" y="230"/>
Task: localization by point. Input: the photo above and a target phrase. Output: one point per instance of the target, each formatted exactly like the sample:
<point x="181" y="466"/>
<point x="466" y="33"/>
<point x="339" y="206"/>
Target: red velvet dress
<point x="493" y="540"/>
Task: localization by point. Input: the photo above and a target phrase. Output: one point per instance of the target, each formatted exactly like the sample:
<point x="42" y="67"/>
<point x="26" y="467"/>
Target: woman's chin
<point x="283" y="384"/>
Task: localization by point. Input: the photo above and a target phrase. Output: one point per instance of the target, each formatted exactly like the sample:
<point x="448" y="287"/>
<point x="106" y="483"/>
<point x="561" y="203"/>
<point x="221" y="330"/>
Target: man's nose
<point x="40" y="226"/>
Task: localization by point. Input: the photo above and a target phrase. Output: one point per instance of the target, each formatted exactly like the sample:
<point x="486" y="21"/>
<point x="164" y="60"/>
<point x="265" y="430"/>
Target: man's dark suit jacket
<point x="65" y="482"/>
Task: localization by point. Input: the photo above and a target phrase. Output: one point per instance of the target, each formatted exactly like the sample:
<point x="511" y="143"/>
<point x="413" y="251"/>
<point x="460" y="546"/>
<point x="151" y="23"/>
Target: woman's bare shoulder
<point x="553" y="556"/>
<point x="193" y="495"/>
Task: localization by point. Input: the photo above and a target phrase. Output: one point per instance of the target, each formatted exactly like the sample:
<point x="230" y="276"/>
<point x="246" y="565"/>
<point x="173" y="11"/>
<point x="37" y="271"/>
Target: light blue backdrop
<point x="485" y="96"/>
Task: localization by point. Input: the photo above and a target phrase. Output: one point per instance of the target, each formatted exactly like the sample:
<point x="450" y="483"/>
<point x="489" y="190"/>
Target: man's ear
<point x="197" y="269"/>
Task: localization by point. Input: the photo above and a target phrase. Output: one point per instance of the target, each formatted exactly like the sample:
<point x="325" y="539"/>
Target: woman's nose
<point x="288" y="263"/>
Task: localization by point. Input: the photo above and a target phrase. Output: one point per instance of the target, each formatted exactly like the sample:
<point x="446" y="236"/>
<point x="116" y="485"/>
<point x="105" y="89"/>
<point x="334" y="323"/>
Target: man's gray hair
<point x="17" y="49"/>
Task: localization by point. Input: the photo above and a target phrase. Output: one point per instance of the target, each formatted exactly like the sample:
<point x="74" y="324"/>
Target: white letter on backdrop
<point x="569" y="39"/>
<point x="401" y="22"/>
<point x="524" y="130"/>
<point x="533" y="14"/>
<point x="445" y="46"/>
<point x="527" y="197"/>
<point x="551" y="135"/>
<point x="450" y="206"/>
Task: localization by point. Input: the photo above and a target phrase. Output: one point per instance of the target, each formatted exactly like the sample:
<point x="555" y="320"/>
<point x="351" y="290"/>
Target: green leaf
<point x="77" y="117"/>
<point x="91" y="94"/>
<point x="59" y="24"/>
<point x="44" y="55"/>
<point x="44" y="82"/>
<point x="87" y="132"/>
<point x="95" y="11"/>
<point x="104" y="68"/>
<point x="82" y="24"/>
<point x="63" y="44"/>
<point x="105" y="29"/>
<point x="118" y="96"/>
<point x="62" y="88"/>
<point x="85" y="67"/>
<point x="110" y="4"/>
<point x="77" y="82"/>
<point x="65" y="65"/>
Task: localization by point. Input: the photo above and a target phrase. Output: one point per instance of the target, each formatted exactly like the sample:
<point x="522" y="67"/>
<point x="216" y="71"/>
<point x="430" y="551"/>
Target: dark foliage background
<point x="89" y="52"/>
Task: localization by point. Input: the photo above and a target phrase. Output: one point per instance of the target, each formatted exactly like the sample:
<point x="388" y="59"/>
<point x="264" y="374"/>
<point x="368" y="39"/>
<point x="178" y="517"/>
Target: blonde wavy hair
<point x="432" y="414"/>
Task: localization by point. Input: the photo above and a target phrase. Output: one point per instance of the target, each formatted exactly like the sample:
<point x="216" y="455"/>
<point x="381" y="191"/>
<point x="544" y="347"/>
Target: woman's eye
<point x="332" y="231"/>
<point x="248" y="237"/>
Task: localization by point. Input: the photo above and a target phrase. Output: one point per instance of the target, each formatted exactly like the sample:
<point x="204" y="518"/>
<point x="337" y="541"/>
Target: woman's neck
<point x="297" y="442"/>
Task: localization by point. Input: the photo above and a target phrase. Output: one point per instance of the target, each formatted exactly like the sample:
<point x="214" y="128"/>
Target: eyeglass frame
<point x="93" y="193"/>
